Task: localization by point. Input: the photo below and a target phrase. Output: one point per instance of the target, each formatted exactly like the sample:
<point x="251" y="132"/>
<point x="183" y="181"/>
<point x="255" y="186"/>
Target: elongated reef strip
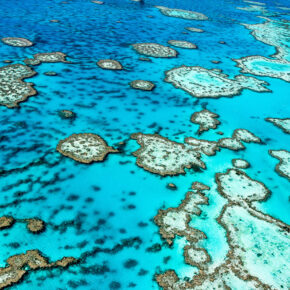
<point x="283" y="167"/>
<point x="17" y="41"/>
<point x="20" y="264"/>
<point x="155" y="50"/>
<point x="283" y="124"/>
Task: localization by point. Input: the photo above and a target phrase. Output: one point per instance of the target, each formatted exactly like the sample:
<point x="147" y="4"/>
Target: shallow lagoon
<point x="91" y="209"/>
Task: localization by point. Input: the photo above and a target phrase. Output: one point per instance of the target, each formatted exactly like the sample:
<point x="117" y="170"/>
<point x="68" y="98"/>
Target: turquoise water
<point x="89" y="209"/>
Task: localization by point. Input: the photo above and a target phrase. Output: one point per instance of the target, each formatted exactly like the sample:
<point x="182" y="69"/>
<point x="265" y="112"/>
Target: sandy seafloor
<point x="36" y="181"/>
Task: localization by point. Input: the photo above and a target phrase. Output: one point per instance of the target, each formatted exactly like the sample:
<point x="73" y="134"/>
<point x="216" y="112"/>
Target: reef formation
<point x="205" y="119"/>
<point x="214" y="83"/>
<point x="109" y="64"/>
<point x="164" y="157"/>
<point x="155" y="50"/>
<point x="182" y="44"/>
<point x="274" y="33"/>
<point x="21" y="264"/>
<point x="142" y="85"/>
<point x="174" y="222"/>
<point x="17" y="41"/>
<point x="283" y="124"/>
<point x="194" y="29"/>
<point x="240" y="163"/>
<point x="34" y="225"/>
<point x="85" y="148"/>
<point x="283" y="168"/>
<point x="39" y="58"/>
<point x="180" y="13"/>
<point x="13" y="89"/>
<point x="253" y="260"/>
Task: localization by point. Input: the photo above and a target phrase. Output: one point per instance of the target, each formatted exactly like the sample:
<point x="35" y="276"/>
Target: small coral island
<point x="85" y="148"/>
<point x="155" y="50"/>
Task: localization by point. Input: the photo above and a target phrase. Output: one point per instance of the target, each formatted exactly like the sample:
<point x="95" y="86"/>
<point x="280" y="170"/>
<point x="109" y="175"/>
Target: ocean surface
<point x="102" y="213"/>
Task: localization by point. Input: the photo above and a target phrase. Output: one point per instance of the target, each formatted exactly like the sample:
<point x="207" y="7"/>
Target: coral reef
<point x="21" y="264"/>
<point x="274" y="33"/>
<point x="109" y="64"/>
<point x="67" y="114"/>
<point x="239" y="135"/>
<point x="17" y="41"/>
<point x="240" y="163"/>
<point x="46" y="57"/>
<point x="182" y="44"/>
<point x="283" y="168"/>
<point x="174" y="222"/>
<point x="193" y="29"/>
<point x="180" y="13"/>
<point x="13" y="89"/>
<point x="258" y="256"/>
<point x="262" y="66"/>
<point x="248" y="189"/>
<point x="203" y="83"/>
<point x="205" y="119"/>
<point x="142" y="85"/>
<point x="155" y="50"/>
<point x="283" y="124"/>
<point x="85" y="148"/>
<point x="234" y="143"/>
<point x="35" y="226"/>
<point x="6" y="222"/>
<point x="203" y="146"/>
<point x="164" y="157"/>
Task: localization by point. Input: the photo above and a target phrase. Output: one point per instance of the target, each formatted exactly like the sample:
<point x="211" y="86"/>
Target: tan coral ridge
<point x="34" y="225"/>
<point x="283" y="167"/>
<point x="283" y="124"/>
<point x="258" y="258"/>
<point x="21" y="264"/>
<point x="85" y="148"/>
<point x="6" y="222"/>
<point x="174" y="222"/>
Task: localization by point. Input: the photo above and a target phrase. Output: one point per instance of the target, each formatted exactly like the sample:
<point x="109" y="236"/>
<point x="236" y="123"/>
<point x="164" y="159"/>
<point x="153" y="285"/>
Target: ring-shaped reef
<point x="204" y="83"/>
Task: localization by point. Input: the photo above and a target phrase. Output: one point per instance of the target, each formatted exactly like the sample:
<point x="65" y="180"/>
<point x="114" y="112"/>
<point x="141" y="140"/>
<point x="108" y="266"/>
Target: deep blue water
<point x="106" y="105"/>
